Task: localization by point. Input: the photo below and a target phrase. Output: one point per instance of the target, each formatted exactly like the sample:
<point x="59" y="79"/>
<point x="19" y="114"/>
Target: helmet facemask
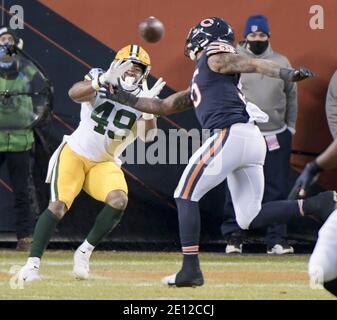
<point x="195" y="42"/>
<point x="139" y="57"/>
<point x="133" y="77"/>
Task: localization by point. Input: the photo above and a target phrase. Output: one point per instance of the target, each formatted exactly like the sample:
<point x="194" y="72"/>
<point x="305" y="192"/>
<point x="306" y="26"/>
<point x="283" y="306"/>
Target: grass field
<point x="136" y="275"/>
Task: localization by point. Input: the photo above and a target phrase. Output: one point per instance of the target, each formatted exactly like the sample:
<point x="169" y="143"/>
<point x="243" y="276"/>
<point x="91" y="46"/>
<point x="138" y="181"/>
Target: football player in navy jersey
<point x="235" y="150"/>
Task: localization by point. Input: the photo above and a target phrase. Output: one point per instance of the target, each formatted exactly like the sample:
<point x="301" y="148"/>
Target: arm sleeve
<point x="331" y="106"/>
<point x="92" y="74"/>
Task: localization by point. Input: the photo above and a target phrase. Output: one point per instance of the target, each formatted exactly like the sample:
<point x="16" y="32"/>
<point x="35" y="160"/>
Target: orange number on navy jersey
<point x="195" y="92"/>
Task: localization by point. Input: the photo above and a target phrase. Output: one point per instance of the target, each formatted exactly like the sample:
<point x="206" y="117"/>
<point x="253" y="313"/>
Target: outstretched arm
<point x="236" y="63"/>
<point x="176" y="102"/>
<point x="82" y="91"/>
<point x="326" y="161"/>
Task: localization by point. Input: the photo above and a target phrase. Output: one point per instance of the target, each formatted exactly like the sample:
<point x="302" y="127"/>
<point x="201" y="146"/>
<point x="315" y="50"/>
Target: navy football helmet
<point x="205" y="32"/>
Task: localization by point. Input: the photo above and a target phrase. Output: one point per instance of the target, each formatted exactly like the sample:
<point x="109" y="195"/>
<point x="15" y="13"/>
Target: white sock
<point x="34" y="261"/>
<point x="86" y="246"/>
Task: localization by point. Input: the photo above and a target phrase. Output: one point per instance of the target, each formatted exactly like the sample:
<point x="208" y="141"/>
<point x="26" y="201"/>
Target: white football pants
<point x="323" y="261"/>
<point x="238" y="154"/>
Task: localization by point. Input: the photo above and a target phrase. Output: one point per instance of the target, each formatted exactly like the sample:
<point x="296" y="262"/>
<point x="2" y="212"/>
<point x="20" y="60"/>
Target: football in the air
<point x="151" y="29"/>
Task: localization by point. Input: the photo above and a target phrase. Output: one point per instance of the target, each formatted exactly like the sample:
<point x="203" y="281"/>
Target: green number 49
<point x="101" y="114"/>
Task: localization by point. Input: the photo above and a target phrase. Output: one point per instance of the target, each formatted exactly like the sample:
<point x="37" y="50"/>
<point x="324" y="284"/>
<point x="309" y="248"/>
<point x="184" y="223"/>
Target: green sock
<point x="43" y="231"/>
<point x="106" y="220"/>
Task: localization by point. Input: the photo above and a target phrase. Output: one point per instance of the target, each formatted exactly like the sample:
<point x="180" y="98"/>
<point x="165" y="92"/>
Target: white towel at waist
<point x="256" y="114"/>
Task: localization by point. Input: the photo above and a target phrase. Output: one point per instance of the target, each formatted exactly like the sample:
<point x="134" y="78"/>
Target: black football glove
<point x="294" y="75"/>
<point x="308" y="176"/>
<point x="104" y="92"/>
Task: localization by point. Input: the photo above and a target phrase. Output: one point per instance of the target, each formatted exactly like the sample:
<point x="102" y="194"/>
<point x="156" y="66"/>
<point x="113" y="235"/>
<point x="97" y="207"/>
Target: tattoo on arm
<point x="267" y="67"/>
<point x="177" y="102"/>
<point x="180" y="101"/>
<point x="236" y="63"/>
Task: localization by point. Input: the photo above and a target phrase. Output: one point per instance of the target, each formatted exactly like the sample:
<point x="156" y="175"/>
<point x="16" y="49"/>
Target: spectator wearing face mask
<point x="278" y="99"/>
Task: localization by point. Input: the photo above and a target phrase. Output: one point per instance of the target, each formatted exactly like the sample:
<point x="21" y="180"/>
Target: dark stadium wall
<point x="70" y="37"/>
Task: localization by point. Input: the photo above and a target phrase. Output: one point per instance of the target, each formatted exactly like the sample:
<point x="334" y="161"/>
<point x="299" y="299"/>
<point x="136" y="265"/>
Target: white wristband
<point x="147" y="116"/>
<point x="95" y="84"/>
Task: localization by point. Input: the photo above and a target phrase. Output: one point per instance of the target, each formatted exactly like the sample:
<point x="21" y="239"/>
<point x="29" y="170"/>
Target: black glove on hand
<point x="104" y="92"/>
<point x="118" y="94"/>
<point x="289" y="74"/>
<point x="309" y="175"/>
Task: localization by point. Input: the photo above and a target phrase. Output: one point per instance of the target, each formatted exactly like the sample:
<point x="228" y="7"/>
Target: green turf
<point x="136" y="275"/>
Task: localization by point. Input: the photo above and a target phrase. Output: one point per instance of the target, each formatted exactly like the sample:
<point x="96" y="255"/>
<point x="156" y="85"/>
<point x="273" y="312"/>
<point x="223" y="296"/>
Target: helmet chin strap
<point x="192" y="55"/>
<point x="202" y="45"/>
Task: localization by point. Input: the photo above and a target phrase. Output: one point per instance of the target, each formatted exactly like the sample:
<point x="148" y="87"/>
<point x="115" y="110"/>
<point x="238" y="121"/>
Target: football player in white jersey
<point x="323" y="261"/>
<point x="88" y="159"/>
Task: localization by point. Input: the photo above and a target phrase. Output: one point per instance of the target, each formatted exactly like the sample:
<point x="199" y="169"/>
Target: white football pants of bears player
<point x="236" y="153"/>
<point x="323" y="261"/>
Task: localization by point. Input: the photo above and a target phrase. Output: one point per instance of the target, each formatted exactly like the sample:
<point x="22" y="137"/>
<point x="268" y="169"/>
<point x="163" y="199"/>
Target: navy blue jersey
<point x="217" y="99"/>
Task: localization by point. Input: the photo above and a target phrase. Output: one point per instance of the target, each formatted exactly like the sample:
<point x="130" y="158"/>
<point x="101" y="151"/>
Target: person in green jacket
<point x="16" y="137"/>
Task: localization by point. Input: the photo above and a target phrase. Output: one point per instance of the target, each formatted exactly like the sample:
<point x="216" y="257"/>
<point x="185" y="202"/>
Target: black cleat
<point x="320" y="207"/>
<point x="331" y="286"/>
<point x="184" y="279"/>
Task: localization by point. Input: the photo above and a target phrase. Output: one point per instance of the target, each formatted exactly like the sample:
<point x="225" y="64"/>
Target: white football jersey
<point x="106" y="128"/>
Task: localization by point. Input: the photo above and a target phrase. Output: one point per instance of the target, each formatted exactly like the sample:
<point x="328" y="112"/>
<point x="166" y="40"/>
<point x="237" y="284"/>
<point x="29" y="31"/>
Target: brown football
<point x="151" y="29"/>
